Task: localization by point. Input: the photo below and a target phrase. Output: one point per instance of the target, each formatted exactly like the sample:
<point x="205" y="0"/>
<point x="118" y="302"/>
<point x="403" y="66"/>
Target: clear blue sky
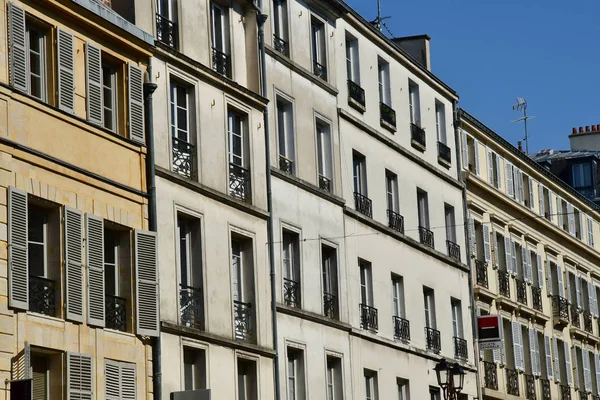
<point x="493" y="51"/>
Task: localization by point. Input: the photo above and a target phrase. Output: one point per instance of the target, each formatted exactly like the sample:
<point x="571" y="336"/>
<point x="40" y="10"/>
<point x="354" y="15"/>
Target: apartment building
<point x="79" y="270"/>
<point x="535" y="260"/>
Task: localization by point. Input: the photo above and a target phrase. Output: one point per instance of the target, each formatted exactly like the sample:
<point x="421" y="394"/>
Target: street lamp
<point x="450" y="378"/>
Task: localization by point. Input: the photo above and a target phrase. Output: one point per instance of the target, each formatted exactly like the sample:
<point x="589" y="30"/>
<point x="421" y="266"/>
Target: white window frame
<point x="383" y="74"/>
<point x="280" y="23"/>
<point x="194" y="366"/>
<point x="429" y="307"/>
<point x="222" y="35"/>
<point x="440" y="122"/>
<point x="391" y="186"/>
<point x="29" y="28"/>
<point x="359" y="168"/>
<point x="116" y="264"/>
<point x="317" y="40"/>
<point x="175" y="87"/>
<point x="413" y="103"/>
<point x="111" y="88"/>
<point x="423" y="208"/>
<point x="236" y="128"/>
<point x="366" y="283"/>
<point x="285" y="127"/>
<point x="44" y="243"/>
<point x="398" y="306"/>
<point x="352" y="59"/>
<point x="457" y="322"/>
<point x="324" y="149"/>
<point x="237" y="258"/>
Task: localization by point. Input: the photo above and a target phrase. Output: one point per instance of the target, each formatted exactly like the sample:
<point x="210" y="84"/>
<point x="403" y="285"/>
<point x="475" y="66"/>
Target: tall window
<point x="324" y="155"/>
<point x="457" y="324"/>
<point x="429" y="303"/>
<point x="371" y="390"/>
<point x="352" y="63"/>
<point x="384" y="83"/>
<point x="36" y="63"/>
<point x="423" y="208"/>
<point x="280" y="24"/>
<point x="247" y="380"/>
<point x="450" y="223"/>
<point x="182" y="128"/>
<point x="194" y="368"/>
<point x="242" y="272"/>
<point x="317" y="28"/>
<point x="167" y="9"/>
<point x="334" y="378"/>
<point x="221" y="61"/>
<point x="295" y="370"/>
<point x="117" y="281"/>
<point x="111" y="262"/>
<point x="581" y="175"/>
<point x="239" y="174"/>
<point x="440" y="122"/>
<point x="391" y="185"/>
<point x="109" y="99"/>
<point x="366" y="286"/>
<point x="190" y="266"/>
<point x="398" y="296"/>
<point x="330" y="285"/>
<point x="285" y="130"/>
<point x="360" y="173"/>
<point x="403" y="392"/>
<point x="291" y="268"/>
<point x="413" y="102"/>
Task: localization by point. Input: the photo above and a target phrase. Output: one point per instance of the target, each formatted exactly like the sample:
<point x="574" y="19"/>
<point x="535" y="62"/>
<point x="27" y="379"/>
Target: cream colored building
<point x="535" y="261"/>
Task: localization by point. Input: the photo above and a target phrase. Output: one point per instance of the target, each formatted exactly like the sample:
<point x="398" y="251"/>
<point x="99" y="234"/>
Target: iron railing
<point x="512" y="382"/>
<point x="575" y="320"/>
<point x="395" y="221"/>
<point x="368" y="317"/>
<point x="530" y="387"/>
<point x="417" y="134"/>
<point x="433" y="340"/>
<point x="243" y="320"/>
<point x="536" y="298"/>
<point x="184" y="158"/>
<point x="546" y="394"/>
<point x="116" y="312"/>
<point x="291" y="292"/>
<point x="191" y="306"/>
<point x="588" y="324"/>
<point x="521" y="291"/>
<point x="453" y="250"/>
<point x="356" y="93"/>
<point x="320" y="70"/>
<point x="490" y="378"/>
<point x="401" y="329"/>
<point x="560" y="308"/>
<point x="461" y="350"/>
<point x="503" y="283"/>
<point x="281" y="46"/>
<point x="167" y="32"/>
<point x="387" y="114"/>
<point x="330" y="305"/>
<point x="426" y="237"/>
<point x="221" y="62"/>
<point x="285" y="164"/>
<point x="565" y="392"/>
<point x="324" y="183"/>
<point x="42" y="294"/>
<point x="363" y="204"/>
<point x="481" y="274"/>
<point x="444" y="152"/>
<point x="239" y="182"/>
<point x="582" y="395"/>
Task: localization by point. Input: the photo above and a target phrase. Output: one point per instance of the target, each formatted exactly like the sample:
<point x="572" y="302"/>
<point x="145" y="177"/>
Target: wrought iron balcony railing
<point x="530" y="387"/>
<point x="281" y="46"/>
<point x="167" y="32"/>
<point x="368" y="317"/>
<point x="433" y="340"/>
<point x="582" y="395"/>
<point x="401" y="329"/>
<point x="184" y="158"/>
<point x="588" y="324"/>
<point x="575" y="320"/>
<point x="363" y="204"/>
<point x="191" y="306"/>
<point x="536" y="298"/>
<point x="545" y="384"/>
<point x="461" y="350"/>
<point x="285" y="164"/>
<point x="116" y="312"/>
<point x="243" y="320"/>
<point x="221" y="62"/>
<point x="324" y="183"/>
<point x="490" y="378"/>
<point x="453" y="250"/>
<point x="512" y="382"/>
<point x="503" y="283"/>
<point x="565" y="392"/>
<point x="320" y="70"/>
<point x="356" y="93"/>
<point x="42" y="294"/>
<point x="560" y="308"/>
<point x="330" y="305"/>
<point x="387" y="114"/>
<point x="239" y="182"/>
<point x="417" y="134"/>
<point x="521" y="291"/>
<point x="291" y="292"/>
<point x="426" y="237"/>
<point x="444" y="152"/>
<point x="481" y="274"/>
<point x="395" y="221"/>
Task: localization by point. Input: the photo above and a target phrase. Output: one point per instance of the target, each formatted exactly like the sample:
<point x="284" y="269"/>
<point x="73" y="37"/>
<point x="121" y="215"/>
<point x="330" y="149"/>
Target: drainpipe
<point x="149" y="88"/>
<point x="461" y="177"/>
<point x="261" y="19"/>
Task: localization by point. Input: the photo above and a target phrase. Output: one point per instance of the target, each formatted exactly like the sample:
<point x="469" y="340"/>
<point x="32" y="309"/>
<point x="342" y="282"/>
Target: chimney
<point x="417" y="47"/>
<point x="581" y="129"/>
<point x="574" y="131"/>
<point x="520" y="145"/>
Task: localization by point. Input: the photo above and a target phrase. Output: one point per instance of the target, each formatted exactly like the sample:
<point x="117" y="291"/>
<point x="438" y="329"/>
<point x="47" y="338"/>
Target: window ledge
<point x="417" y="145"/>
<point x="119" y="333"/>
<point x="388" y="126"/>
<point x="56" y="321"/>
<point x="444" y="163"/>
<point x="356" y="105"/>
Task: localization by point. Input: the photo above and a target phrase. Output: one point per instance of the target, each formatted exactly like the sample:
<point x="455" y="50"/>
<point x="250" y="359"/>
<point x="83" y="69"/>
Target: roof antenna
<point x="377" y="22"/>
<point x="522" y="105"/>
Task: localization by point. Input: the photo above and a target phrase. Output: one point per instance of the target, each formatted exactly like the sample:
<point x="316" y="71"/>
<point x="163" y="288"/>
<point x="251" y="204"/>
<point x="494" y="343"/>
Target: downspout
<point x="149" y="88"/>
<point x="261" y="19"/>
<point x="461" y="177"/>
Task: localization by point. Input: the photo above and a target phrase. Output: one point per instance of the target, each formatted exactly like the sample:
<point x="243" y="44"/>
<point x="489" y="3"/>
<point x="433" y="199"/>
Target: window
<point x="352" y="60"/>
<point x="371" y="389"/>
<point x="403" y="392"/>
<point x="385" y="96"/>
<point x="494" y="169"/>
<point x="117" y="276"/>
<point x="330" y="285"/>
<point x="239" y="173"/>
<point x="41" y="376"/>
<point x="36" y="65"/>
<point x="243" y="286"/>
<point x="334" y="378"/>
<point x="434" y="393"/>
<point x="457" y="323"/>
<point x="119" y="380"/>
<point x="391" y="185"/>
<point x="450" y="223"/>
<point x="291" y="268"/>
<point x="247" y="383"/>
<point x="581" y="176"/>
<point x="398" y="296"/>
<point x="190" y="272"/>
<point x="423" y="208"/>
<point x="167" y="9"/>
<point x="324" y="156"/>
<point x="295" y="371"/>
<point x="285" y="131"/>
<point x="413" y="102"/>
<point x="220" y="40"/>
<point x="366" y="287"/>
<point x="360" y="173"/>
<point x="280" y="25"/>
<point x="440" y="122"/>
<point x="182" y="128"/>
<point x="194" y="368"/>
<point x="318" y="37"/>
<point x="590" y="232"/>
<point x="429" y="303"/>
<point x="109" y="100"/>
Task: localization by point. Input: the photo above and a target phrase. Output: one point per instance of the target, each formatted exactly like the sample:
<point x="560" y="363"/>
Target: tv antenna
<point x="378" y="22"/>
<point x="522" y="105"/>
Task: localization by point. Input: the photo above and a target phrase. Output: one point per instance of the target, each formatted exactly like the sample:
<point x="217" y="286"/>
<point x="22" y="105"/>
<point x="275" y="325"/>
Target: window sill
<point x="417" y="145"/>
<point x="356" y="105"/>
<point x="119" y="333"/>
<point x="388" y="126"/>
<point x="444" y="163"/>
<point x="46" y="318"/>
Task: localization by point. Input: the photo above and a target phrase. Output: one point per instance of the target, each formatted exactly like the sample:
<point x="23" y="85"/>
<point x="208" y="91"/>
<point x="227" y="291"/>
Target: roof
<point x="546" y="156"/>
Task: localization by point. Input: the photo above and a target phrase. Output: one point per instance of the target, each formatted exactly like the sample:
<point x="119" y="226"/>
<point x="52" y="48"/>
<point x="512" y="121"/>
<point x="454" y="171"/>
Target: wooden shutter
<point x="490" y="167"/>
<point x="18" y="273"/>
<point x="476" y="153"/>
<point x="549" y="274"/>
<point x="128" y="384"/>
<point x="498" y="171"/>
<point x="146" y="283"/>
<point x="73" y="264"/>
<point x="567" y="277"/>
<point x="532" y="352"/>
<point x="541" y="198"/>
<point x="578" y="291"/>
<point x="531" y="202"/>
<point x="80" y="380"/>
<point x="594" y="304"/>
<point x="514" y="257"/>
<point x="95" y="269"/>
<point x="540" y="270"/>
<point x="17" y="48"/>
<point x="507" y="254"/>
<point x="519" y="186"/>
<point x="571" y="218"/>
<point x="551" y="205"/>
<point x="580" y="229"/>
<point x="66" y="70"/>
<point x="497" y="354"/>
<point x="487" y="249"/>
<point x="524" y="264"/>
<point x="516" y="328"/>
<point x="568" y="363"/>
<point x="559" y="275"/>
<point x="556" y="360"/>
<point x="559" y="215"/>
<point x="575" y="366"/>
<point x="587" y="372"/>
<point x="465" y="150"/>
<point x="136" y="104"/>
<point x="120" y="380"/>
<point x="472" y="237"/>
<point x="590" y="231"/>
<point x="20" y="367"/>
<point x="510" y="189"/>
<point x="549" y="370"/>
<point x="94" y="89"/>
<point x="597" y="365"/>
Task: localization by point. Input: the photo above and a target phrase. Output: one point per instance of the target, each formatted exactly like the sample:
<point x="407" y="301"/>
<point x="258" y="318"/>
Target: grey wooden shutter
<point x="112" y="380"/>
<point x="94" y="236"/>
<point x="568" y="296"/>
<point x="146" y="283"/>
<point x="556" y="360"/>
<point x="575" y="366"/>
<point x="532" y="353"/>
<point x="490" y="167"/>
<point x="516" y="328"/>
<point x="481" y="351"/>
<point x="591" y="290"/>
<point x="498" y="353"/>
<point x="590" y="230"/>
<point x="540" y="270"/>
<point x="571" y="218"/>
<point x="507" y="254"/>
<point x="17" y="49"/>
<point x="20" y="367"/>
<point x="549" y="274"/>
<point x="568" y="363"/>
<point x="559" y="215"/>
<point x="94" y="89"/>
<point x="524" y="266"/>
<point x="18" y="273"/>
<point x="476" y="153"/>
<point x="510" y="189"/>
<point x="549" y="370"/>
<point x="541" y="198"/>
<point x="597" y="364"/>
<point x="487" y="249"/>
<point x="595" y="301"/>
<point x="529" y="265"/>
<point x="128" y="386"/>
<point x="472" y="237"/>
<point x="559" y="275"/>
<point x="514" y="257"/>
<point x="66" y="70"/>
<point x="80" y="380"/>
<point x="498" y="171"/>
<point x="465" y="150"/>
<point x="580" y="228"/>
<point x="531" y="202"/>
<point x="551" y="205"/>
<point x="136" y="104"/>
<point x="579" y="299"/>
<point x="587" y="372"/>
<point x="73" y="265"/>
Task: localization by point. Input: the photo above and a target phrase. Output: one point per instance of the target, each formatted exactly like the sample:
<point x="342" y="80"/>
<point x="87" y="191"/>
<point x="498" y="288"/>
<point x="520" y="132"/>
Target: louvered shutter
<point x="94" y="89"/>
<point x="516" y="328"/>
<point x="587" y="372"/>
<point x="476" y="153"/>
<point x="487" y="249"/>
<point x="73" y="264"/>
<point x="503" y="354"/>
<point x="580" y="228"/>
<point x="146" y="283"/>
<point x="578" y="301"/>
<point x="571" y="218"/>
<point x="472" y="237"/>
<point x="575" y="367"/>
<point x="497" y="354"/>
<point x="520" y="185"/>
<point x="590" y="290"/>
<point x="510" y="190"/>
<point x="549" y="370"/>
<point x="594" y="304"/>
<point x="66" y="70"/>
<point x="559" y="275"/>
<point x="540" y="270"/>
<point x="17" y="48"/>
<point x="556" y="360"/>
<point x="590" y="231"/>
<point x="568" y="296"/>
<point x="549" y="275"/>
<point x="95" y="269"/>
<point x="136" y="104"/>
<point x="531" y="202"/>
<point x="20" y="367"/>
<point x="498" y="171"/>
<point x="465" y="150"/>
<point x="551" y="205"/>
<point x="559" y="213"/>
<point x="80" y="380"/>
<point x="534" y="356"/>
<point x="112" y="380"/>
<point x="538" y="355"/>
<point x="507" y="254"/>
<point x="18" y="273"/>
<point x="541" y="198"/>
<point x="481" y="351"/>
<point x="529" y="266"/>
<point x="568" y="363"/>
<point x="524" y="264"/>
<point x="514" y="257"/>
<point x="128" y="389"/>
<point x="597" y="364"/>
<point x="490" y="167"/>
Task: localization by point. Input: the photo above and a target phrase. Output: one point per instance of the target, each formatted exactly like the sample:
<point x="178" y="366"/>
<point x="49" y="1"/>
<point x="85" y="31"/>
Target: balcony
<point x="184" y="158"/>
<point x="243" y="320"/>
<point x="575" y="320"/>
<point x="490" y="378"/>
<point x="512" y="382"/>
<point x="417" y="135"/>
<point x="481" y="274"/>
<point x="239" y="182"/>
<point x="324" y="183"/>
<point x="530" y="387"/>
<point x="426" y="237"/>
<point x="291" y="292"/>
<point x="166" y="32"/>
<point x="41" y="295"/>
<point x="116" y="313"/>
<point x="444" y="153"/>
<point x="387" y="116"/>
<point x="286" y="165"/>
<point x="401" y="329"/>
<point x="433" y="340"/>
<point x="281" y="46"/>
<point x="461" y="351"/>
<point x="560" y="309"/>
<point x="330" y="305"/>
<point x="588" y="324"/>
<point x="368" y="317"/>
<point x="191" y="308"/>
<point x="320" y="70"/>
<point x="363" y="204"/>
<point x="395" y="221"/>
<point x="582" y="395"/>
<point x="546" y="394"/>
<point x="453" y="250"/>
<point x="521" y="291"/>
<point x="356" y="95"/>
<point x="565" y="392"/>
<point x="504" y="283"/>
<point x="221" y="63"/>
<point x="536" y="298"/>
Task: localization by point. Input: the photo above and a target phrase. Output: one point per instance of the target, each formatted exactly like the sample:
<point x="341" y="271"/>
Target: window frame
<point x="440" y="122"/>
<point x="42" y="33"/>
<point x="114" y="96"/>
<point x="324" y="149"/>
<point x="383" y="77"/>
<point x="224" y="28"/>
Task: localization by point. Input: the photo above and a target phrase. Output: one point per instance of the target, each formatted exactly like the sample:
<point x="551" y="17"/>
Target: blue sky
<point x="493" y="51"/>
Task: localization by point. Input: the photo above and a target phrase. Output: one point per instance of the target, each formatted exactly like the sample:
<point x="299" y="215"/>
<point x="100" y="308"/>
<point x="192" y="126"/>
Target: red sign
<point x="489" y="328"/>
